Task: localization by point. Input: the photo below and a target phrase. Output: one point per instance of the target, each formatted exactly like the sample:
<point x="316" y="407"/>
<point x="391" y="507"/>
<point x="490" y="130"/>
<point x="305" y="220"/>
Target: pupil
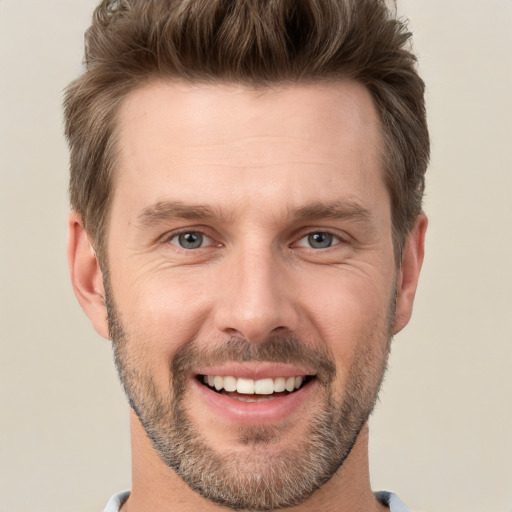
<point x="191" y="240"/>
<point x="320" y="240"/>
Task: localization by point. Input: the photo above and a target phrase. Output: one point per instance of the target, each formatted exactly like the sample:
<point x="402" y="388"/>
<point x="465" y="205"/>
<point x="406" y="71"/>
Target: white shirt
<point x="394" y="503"/>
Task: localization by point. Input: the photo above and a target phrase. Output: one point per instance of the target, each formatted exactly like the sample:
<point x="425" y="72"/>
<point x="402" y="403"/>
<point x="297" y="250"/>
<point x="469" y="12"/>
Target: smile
<point x="251" y="390"/>
<point x="254" y="393"/>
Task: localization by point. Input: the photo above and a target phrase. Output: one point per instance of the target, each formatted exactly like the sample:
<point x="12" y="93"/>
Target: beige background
<point x="442" y="436"/>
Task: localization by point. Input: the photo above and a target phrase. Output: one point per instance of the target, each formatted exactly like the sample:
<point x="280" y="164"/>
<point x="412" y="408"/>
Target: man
<point x="246" y="184"/>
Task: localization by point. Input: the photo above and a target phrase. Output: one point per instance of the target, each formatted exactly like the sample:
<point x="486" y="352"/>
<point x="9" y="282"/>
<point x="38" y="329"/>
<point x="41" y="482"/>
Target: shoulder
<point x="390" y="499"/>
<point x="114" y="504"/>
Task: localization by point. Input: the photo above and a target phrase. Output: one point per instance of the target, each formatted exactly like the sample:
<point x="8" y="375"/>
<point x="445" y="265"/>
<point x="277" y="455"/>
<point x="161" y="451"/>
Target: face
<point x="251" y="281"/>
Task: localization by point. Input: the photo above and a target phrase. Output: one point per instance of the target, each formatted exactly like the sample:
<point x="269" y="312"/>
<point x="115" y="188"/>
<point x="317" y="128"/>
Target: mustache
<point x="275" y="349"/>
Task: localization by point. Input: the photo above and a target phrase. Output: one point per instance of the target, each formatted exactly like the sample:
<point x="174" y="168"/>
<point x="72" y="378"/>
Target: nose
<point x="257" y="297"/>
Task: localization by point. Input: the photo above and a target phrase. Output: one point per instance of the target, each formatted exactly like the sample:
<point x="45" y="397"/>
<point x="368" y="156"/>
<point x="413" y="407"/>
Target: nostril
<point x="268" y="311"/>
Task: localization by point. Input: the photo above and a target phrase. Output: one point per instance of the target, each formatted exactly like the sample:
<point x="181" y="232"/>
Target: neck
<point x="157" y="487"/>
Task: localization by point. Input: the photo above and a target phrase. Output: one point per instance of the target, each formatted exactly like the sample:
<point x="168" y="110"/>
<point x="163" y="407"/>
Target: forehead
<point x="234" y="144"/>
<point x="185" y="114"/>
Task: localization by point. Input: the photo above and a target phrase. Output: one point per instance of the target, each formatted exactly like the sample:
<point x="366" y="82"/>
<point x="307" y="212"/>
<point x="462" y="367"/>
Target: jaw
<point x="221" y="445"/>
<point x="154" y="483"/>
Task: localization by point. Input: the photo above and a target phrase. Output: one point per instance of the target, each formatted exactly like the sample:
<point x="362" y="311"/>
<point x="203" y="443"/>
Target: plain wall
<point x="441" y="436"/>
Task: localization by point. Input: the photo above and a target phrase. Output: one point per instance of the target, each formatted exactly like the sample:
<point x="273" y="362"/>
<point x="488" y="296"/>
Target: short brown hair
<point x="251" y="42"/>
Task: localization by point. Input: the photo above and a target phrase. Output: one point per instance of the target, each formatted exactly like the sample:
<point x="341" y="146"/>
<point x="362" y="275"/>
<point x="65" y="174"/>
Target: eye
<point x="318" y="240"/>
<point x="190" y="240"/>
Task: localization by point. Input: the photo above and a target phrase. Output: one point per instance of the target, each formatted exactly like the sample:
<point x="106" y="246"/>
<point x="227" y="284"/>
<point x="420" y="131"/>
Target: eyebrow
<point x="165" y="211"/>
<point x="344" y="210"/>
<point x="175" y="210"/>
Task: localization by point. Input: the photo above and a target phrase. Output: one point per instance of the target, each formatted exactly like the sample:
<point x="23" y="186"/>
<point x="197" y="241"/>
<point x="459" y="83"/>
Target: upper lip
<point x="255" y="370"/>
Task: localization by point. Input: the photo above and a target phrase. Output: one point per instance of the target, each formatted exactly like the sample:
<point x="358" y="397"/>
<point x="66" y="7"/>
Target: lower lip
<point x="264" y="412"/>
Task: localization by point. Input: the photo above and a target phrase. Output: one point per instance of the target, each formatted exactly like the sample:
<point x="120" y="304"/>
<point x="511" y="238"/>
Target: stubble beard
<point x="251" y="479"/>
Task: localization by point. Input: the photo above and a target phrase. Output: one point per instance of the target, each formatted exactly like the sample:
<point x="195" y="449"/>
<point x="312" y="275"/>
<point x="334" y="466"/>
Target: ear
<point x="409" y="272"/>
<point x="86" y="275"/>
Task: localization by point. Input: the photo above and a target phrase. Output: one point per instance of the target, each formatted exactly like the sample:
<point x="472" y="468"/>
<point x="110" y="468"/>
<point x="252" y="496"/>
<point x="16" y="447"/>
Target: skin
<point x="258" y="160"/>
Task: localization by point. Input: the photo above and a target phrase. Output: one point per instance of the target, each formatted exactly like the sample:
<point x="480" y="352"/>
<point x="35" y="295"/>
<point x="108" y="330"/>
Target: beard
<point x="264" y="475"/>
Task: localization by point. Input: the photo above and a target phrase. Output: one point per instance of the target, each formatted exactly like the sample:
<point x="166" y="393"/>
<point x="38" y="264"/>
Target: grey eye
<point x="190" y="240"/>
<point x="320" y="240"/>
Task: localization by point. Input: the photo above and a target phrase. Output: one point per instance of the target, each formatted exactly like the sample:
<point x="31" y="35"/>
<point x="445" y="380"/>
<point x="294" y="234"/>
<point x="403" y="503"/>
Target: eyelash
<point x="168" y="239"/>
<point x="335" y="239"/>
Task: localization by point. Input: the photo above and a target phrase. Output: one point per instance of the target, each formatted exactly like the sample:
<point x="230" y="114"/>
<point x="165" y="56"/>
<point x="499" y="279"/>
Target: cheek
<point x="351" y="313"/>
<point x="159" y="315"/>
<point x="163" y="300"/>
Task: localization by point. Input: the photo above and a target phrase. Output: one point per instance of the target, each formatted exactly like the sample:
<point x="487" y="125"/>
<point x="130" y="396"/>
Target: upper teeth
<point x="252" y="387"/>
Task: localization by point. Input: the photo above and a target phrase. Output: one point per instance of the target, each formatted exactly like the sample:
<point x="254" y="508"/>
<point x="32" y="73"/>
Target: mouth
<point x="252" y="393"/>
<point x="254" y="390"/>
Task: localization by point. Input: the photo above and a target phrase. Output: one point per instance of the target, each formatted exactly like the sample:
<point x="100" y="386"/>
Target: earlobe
<point x="408" y="274"/>
<point x="86" y="275"/>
